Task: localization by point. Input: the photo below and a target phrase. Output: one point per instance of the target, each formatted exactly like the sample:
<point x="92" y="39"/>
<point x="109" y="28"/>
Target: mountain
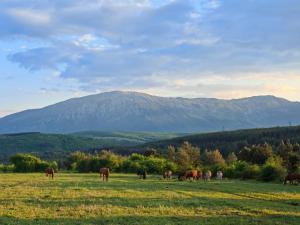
<point x="132" y="111"/>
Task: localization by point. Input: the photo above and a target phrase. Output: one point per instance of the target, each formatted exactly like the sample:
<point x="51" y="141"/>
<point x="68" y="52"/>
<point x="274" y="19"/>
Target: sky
<point x="53" y="50"/>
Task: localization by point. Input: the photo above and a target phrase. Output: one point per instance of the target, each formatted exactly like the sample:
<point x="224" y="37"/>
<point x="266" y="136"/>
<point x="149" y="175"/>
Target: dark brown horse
<point x="167" y="174"/>
<point x="291" y="178"/>
<point x="50" y="173"/>
<point x="142" y="174"/>
<point x="104" y="172"/>
<point x="199" y="175"/>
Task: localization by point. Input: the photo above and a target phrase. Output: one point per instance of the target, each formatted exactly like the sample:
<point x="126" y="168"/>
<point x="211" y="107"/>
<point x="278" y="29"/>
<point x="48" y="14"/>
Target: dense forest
<point x="232" y="141"/>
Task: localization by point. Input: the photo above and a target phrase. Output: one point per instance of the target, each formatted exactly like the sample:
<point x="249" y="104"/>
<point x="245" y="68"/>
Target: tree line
<point x="261" y="161"/>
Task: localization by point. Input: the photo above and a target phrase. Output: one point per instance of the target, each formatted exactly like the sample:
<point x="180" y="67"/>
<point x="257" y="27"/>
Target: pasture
<point x="72" y="199"/>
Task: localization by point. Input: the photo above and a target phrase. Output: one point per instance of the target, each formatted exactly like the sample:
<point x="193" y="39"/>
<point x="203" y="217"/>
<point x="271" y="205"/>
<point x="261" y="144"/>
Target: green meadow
<point x="73" y="198"/>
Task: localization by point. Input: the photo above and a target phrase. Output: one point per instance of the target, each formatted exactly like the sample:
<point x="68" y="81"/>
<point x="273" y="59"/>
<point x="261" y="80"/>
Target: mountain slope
<point x="132" y="111"/>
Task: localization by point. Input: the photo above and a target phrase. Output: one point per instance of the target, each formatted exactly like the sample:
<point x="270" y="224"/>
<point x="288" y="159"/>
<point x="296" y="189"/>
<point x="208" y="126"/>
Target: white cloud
<point x="171" y="45"/>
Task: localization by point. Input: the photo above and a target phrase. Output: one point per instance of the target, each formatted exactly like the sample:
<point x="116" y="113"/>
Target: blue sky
<point x="54" y="50"/>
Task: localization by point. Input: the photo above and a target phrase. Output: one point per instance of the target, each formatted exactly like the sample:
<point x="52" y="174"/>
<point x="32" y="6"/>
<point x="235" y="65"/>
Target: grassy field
<point x="83" y="199"/>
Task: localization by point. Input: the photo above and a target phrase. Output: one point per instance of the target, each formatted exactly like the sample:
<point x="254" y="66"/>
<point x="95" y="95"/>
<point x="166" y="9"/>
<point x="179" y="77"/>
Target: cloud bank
<point x="205" y="47"/>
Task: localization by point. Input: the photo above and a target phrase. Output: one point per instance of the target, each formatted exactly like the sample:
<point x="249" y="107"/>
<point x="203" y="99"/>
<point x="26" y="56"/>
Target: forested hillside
<point x="232" y="141"/>
<point x="53" y="146"/>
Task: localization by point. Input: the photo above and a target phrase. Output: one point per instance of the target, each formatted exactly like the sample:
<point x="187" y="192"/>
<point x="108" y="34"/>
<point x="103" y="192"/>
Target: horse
<point x="199" y="175"/>
<point x="189" y="174"/>
<point x="219" y="175"/>
<point x="167" y="174"/>
<point x="291" y="178"/>
<point x="50" y="173"/>
<point x="207" y="175"/>
<point x="104" y="172"/>
<point x="142" y="174"/>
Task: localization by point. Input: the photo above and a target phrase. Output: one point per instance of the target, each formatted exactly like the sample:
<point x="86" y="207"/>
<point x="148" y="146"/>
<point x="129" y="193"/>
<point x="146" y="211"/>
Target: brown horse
<point x="104" y="172"/>
<point x="167" y="174"/>
<point x="189" y="174"/>
<point x="291" y="178"/>
<point x="50" y="173"/>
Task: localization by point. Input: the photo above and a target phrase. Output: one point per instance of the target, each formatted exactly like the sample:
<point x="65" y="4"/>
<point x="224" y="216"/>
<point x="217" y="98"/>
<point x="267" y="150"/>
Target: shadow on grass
<point x="150" y="220"/>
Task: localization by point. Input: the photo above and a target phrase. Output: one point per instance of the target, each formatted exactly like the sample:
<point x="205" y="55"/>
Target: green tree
<point x="231" y="158"/>
<point x="28" y="163"/>
<point x="213" y="158"/>
<point x="293" y="161"/>
<point x="171" y="153"/>
<point x="256" y="154"/>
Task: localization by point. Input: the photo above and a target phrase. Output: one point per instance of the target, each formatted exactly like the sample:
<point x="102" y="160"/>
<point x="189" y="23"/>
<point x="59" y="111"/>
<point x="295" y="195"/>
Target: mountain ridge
<point x="135" y="111"/>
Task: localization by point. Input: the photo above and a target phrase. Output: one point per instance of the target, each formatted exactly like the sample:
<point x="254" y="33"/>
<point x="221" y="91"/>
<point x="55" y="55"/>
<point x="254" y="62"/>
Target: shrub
<point x="242" y="170"/>
<point x="28" y="163"/>
<point x="251" y="172"/>
<point x="155" y="165"/>
<point x="273" y="170"/>
<point x="171" y="166"/>
<point x="7" y="168"/>
<point x="272" y="173"/>
<point x="131" y="166"/>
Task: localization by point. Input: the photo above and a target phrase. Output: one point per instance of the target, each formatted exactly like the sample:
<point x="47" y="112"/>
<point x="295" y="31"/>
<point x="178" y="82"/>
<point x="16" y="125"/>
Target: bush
<point x="242" y="170"/>
<point x="132" y="166"/>
<point x="155" y="165"/>
<point x="251" y="172"/>
<point x="273" y="169"/>
<point x="272" y="173"/>
<point x="28" y="163"/>
<point x="7" y="168"/>
<point x="171" y="166"/>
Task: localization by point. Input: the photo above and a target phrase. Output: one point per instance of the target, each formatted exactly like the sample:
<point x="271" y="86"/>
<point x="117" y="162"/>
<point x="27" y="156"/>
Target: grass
<point x="72" y="199"/>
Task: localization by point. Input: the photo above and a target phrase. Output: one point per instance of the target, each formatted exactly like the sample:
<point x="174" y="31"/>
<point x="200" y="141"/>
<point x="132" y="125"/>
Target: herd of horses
<point x="291" y="178"/>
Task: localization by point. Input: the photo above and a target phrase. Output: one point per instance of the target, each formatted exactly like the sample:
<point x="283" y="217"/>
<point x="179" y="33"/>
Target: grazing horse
<point x="190" y="174"/>
<point x="199" y="174"/>
<point x="50" y="173"/>
<point x="292" y="177"/>
<point x="219" y="175"/>
<point x="142" y="174"/>
<point x="167" y="174"/>
<point x="207" y="175"/>
<point x="104" y="172"/>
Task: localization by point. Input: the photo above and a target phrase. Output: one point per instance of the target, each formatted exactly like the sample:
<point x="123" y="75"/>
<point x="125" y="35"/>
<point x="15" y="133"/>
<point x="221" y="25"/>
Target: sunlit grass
<point x="84" y="199"/>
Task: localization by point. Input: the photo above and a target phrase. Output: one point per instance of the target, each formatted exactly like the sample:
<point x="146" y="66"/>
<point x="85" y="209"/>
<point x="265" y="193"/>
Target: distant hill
<point x="57" y="145"/>
<point x="231" y="141"/>
<point x="128" y="138"/>
<point x="132" y="111"/>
